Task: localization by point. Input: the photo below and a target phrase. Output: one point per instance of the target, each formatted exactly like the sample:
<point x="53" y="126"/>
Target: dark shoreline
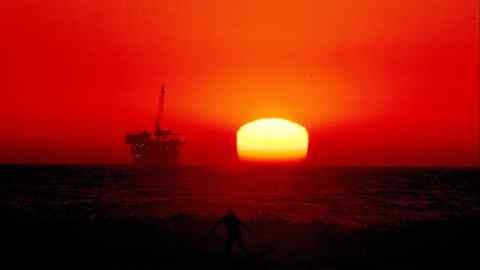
<point x="104" y="242"/>
<point x="48" y="222"/>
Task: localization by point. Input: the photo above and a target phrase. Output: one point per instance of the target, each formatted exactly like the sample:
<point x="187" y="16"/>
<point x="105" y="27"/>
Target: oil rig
<point x="160" y="148"/>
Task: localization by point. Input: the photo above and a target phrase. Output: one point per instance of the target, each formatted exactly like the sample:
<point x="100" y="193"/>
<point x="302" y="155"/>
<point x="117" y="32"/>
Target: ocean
<point x="114" y="217"/>
<point x="351" y="197"/>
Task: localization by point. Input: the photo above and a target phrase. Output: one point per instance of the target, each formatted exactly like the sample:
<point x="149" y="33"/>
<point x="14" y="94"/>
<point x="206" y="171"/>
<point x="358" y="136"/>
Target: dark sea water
<point x="351" y="197"/>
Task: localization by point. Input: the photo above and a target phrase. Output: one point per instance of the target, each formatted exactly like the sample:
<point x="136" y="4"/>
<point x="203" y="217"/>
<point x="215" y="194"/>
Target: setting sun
<point x="272" y="139"/>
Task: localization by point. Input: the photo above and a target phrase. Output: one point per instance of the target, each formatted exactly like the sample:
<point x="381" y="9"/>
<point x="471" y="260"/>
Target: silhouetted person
<point x="233" y="227"/>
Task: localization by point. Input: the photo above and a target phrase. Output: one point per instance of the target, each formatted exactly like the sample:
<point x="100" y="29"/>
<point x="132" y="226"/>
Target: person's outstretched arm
<point x="245" y="226"/>
<point x="214" y="226"/>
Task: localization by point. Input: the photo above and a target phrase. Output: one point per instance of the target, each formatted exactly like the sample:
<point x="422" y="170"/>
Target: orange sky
<point x="375" y="82"/>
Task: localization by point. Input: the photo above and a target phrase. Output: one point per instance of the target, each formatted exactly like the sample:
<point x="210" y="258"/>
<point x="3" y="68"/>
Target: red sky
<point x="375" y="82"/>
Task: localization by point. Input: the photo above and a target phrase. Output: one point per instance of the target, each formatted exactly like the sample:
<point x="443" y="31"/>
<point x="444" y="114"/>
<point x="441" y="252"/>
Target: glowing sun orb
<point x="272" y="139"/>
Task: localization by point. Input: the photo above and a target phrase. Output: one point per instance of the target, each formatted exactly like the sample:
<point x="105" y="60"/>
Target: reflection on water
<point x="352" y="197"/>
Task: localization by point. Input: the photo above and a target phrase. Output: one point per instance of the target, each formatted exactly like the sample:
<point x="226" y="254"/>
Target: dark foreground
<point x="182" y="242"/>
<point x="108" y="218"/>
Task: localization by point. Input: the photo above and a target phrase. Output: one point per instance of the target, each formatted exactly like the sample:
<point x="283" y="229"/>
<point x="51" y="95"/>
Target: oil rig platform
<point x="160" y="148"/>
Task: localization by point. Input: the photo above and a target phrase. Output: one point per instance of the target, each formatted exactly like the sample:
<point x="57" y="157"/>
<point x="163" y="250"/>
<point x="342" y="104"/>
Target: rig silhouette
<point x="160" y="148"/>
